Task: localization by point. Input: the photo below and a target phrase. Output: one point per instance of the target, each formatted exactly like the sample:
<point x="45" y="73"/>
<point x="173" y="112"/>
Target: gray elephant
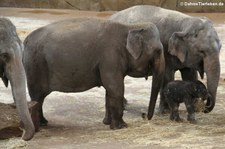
<point x="190" y="44"/>
<point x="176" y="92"/>
<point x="11" y="69"/>
<point x="79" y="54"/>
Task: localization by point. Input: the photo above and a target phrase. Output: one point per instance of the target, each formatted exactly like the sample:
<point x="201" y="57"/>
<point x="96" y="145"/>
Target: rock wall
<point x="104" y="5"/>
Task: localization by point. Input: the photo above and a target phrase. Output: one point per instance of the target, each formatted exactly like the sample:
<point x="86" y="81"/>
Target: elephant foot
<point x="171" y="117"/>
<point x="193" y="121"/>
<point x="179" y="120"/>
<point x="107" y="121"/>
<point x="118" y="125"/>
<point x="43" y="122"/>
<point x="28" y="134"/>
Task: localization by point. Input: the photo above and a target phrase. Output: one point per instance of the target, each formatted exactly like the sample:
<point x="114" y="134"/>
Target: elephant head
<point x="198" y="46"/>
<point x="11" y="68"/>
<point x="146" y="49"/>
<point x="199" y="90"/>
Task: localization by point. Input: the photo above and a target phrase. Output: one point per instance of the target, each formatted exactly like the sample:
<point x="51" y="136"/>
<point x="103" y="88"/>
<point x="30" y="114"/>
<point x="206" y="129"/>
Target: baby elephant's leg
<point x="191" y="111"/>
<point x="174" y="115"/>
<point x="171" y="115"/>
<point x="171" y="106"/>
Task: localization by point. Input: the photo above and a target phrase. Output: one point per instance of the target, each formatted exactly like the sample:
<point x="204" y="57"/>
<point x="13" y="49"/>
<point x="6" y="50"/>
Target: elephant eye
<point x="5" y="57"/>
<point x="195" y="35"/>
<point x="2" y="38"/>
<point x="202" y="53"/>
<point x="3" y="35"/>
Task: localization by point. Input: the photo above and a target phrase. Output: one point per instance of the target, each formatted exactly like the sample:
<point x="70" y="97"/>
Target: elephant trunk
<point x="209" y="100"/>
<point x="16" y="75"/>
<point x="157" y="80"/>
<point x="212" y="69"/>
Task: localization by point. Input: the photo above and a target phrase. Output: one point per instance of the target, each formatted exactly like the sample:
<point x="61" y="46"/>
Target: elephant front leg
<point x="112" y="78"/>
<point x="43" y="120"/>
<point x="191" y="111"/>
<point x="163" y="105"/>
<point x="113" y="83"/>
<point x="116" y="110"/>
<point x="40" y="100"/>
<point x="171" y="106"/>
<point x="175" y="113"/>
<point x="108" y="119"/>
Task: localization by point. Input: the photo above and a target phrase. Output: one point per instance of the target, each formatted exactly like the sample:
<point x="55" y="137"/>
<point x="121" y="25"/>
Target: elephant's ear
<point x="135" y="43"/>
<point x="177" y="47"/>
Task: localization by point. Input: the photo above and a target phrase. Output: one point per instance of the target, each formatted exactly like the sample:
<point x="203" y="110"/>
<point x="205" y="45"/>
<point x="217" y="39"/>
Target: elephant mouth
<point x="3" y="76"/>
<point x="147" y="73"/>
<point x="199" y="105"/>
<point x="141" y="72"/>
<point x="5" y="80"/>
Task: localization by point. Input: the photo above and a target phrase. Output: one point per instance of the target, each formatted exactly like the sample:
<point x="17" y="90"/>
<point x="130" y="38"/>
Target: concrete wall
<point x="104" y="5"/>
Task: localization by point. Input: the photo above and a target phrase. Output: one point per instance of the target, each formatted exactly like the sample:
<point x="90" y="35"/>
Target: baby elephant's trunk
<point x="208" y="98"/>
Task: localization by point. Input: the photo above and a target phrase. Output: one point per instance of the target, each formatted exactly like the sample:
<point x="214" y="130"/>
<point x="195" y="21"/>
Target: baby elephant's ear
<point x="134" y="43"/>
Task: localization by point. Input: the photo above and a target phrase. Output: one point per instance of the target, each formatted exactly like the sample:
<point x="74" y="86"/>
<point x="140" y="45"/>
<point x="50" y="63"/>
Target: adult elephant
<point x="190" y="44"/>
<point x="79" y="54"/>
<point x="11" y="68"/>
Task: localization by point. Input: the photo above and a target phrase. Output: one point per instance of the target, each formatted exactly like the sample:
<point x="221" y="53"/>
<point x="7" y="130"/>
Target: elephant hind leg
<point x="43" y="121"/>
<point x="39" y="96"/>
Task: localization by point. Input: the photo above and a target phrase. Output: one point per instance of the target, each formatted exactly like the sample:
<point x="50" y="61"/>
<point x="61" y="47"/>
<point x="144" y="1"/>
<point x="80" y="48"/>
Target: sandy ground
<point x="75" y="119"/>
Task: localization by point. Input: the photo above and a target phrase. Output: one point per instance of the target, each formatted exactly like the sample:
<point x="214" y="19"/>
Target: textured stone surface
<point x="103" y="5"/>
<point x="10" y="124"/>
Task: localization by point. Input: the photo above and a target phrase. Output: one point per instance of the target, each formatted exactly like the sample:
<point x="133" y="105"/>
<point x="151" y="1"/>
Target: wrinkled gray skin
<point x="176" y="92"/>
<point x="190" y="44"/>
<point x="11" y="69"/>
<point x="79" y="54"/>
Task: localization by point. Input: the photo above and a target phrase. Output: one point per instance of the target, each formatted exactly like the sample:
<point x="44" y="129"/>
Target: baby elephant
<point x="179" y="91"/>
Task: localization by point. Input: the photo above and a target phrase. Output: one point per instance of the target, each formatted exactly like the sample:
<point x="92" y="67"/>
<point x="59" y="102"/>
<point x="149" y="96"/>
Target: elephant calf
<point x="178" y="91"/>
<point x="79" y="54"/>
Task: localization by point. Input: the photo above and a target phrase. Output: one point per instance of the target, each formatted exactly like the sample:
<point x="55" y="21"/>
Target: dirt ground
<point x="75" y="119"/>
